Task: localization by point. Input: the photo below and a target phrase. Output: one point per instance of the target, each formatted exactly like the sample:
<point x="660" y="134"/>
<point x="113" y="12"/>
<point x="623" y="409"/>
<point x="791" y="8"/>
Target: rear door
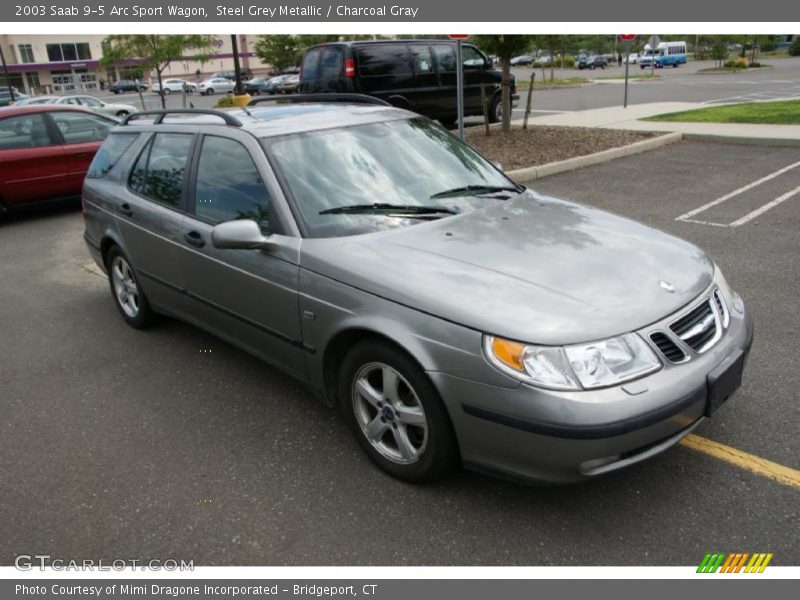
<point x="149" y="211"/>
<point x="81" y="135"/>
<point x="445" y="57"/>
<point x="423" y="97"/>
<point x="32" y="163"/>
<point x="246" y="296"/>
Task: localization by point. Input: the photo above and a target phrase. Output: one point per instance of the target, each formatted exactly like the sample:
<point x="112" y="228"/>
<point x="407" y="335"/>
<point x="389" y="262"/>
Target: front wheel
<point x="122" y="114"/>
<point x="209" y="92"/>
<point x="496" y="109"/>
<point x="396" y="414"/>
<point x="167" y="91"/>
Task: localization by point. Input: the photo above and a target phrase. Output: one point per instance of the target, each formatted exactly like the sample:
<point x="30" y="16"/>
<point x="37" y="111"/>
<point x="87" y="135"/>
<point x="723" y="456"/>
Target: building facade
<point x="46" y="64"/>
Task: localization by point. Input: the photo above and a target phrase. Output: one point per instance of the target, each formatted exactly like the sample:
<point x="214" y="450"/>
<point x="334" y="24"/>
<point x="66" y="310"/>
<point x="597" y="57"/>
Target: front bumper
<point x="561" y="437"/>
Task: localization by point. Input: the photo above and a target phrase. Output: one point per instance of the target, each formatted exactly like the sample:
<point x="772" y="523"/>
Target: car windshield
<point x="405" y="163"/>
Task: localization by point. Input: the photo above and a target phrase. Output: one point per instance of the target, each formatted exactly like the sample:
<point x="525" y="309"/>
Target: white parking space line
<point x="687" y="216"/>
<point x="760" y="211"/>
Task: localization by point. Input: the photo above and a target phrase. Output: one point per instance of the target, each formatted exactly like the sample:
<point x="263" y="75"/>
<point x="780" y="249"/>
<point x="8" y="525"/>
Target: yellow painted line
<point x="743" y="460"/>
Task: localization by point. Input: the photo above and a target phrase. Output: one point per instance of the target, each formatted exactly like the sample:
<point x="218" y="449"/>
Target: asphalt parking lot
<point x="169" y="443"/>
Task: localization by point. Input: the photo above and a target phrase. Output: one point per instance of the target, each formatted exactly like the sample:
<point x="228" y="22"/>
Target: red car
<point x="45" y="151"/>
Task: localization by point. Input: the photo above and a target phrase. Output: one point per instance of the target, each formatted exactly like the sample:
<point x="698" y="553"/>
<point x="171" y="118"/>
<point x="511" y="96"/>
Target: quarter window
<point x="110" y="152"/>
<point x="229" y="186"/>
<point x="161" y="167"/>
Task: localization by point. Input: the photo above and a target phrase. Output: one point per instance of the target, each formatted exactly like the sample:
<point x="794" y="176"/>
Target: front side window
<point x="161" y="168"/>
<point x="406" y="163"/>
<point x="25" y="131"/>
<point x="471" y="58"/>
<point x="77" y="127"/>
<point x="228" y="185"/>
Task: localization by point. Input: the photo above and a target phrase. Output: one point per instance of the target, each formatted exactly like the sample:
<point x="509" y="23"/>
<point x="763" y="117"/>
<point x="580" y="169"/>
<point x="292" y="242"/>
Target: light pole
<point x="8" y="79"/>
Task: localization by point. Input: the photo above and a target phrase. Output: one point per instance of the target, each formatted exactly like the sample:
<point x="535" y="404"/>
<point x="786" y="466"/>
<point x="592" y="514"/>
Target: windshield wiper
<point x="475" y="190"/>
<point x="389" y="209"/>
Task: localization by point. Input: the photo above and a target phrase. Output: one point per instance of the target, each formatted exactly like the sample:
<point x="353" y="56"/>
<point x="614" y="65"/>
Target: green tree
<point x="505" y="47"/>
<point x="794" y="49"/>
<point x="156" y="52"/>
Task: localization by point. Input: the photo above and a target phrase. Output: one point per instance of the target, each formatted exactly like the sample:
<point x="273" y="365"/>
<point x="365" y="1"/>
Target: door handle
<point x="193" y="238"/>
<point x="126" y="209"/>
<point x="83" y="154"/>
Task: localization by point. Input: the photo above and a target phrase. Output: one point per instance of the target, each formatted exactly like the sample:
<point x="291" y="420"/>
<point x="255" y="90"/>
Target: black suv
<point x="592" y="62"/>
<point x="126" y="85"/>
<point x="418" y="75"/>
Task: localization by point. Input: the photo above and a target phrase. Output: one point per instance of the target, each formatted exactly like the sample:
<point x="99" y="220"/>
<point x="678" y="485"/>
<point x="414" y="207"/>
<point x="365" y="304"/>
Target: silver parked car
<point x="455" y="316"/>
<point x="115" y="109"/>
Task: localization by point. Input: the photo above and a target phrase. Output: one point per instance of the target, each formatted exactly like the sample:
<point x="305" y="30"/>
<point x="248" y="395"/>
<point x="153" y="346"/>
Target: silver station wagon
<point x="455" y="316"/>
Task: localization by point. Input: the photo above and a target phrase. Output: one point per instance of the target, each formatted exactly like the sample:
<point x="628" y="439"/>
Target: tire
<point x="116" y="92"/>
<point x="126" y="291"/>
<point x="167" y="91"/>
<point x="496" y="109"/>
<point x="674" y="65"/>
<point x="122" y="114"/>
<point x="592" y="67"/>
<point x="210" y="92"/>
<point x="413" y="437"/>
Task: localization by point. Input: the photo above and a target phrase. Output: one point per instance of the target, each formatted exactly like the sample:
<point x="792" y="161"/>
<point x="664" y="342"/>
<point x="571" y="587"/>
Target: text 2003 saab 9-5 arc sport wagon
<point x="454" y="315"/>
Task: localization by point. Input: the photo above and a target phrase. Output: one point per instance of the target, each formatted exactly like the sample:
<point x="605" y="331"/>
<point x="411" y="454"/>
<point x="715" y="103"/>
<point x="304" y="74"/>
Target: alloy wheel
<point x="125" y="286"/>
<point x="389" y="413"/>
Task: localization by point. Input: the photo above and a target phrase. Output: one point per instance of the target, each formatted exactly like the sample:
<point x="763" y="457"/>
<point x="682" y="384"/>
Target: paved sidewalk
<point x="628" y="118"/>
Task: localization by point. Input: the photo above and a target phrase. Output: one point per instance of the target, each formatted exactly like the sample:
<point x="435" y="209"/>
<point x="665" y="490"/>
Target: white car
<point x="633" y="58"/>
<point x="211" y="86"/>
<point x="174" y="85"/>
<point x="107" y="108"/>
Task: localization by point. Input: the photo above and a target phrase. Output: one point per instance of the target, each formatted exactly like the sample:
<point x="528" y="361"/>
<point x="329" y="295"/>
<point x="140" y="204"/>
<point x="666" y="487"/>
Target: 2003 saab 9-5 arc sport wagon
<point x="454" y="315"/>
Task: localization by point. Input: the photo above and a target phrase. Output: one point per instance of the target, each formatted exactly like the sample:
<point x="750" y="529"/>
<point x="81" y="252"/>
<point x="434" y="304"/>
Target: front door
<point x="246" y="296"/>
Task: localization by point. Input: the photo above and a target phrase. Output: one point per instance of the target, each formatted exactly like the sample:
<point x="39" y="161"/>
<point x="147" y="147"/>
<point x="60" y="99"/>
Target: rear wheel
<point x="126" y="291"/>
<point x="167" y="91"/>
<point x="122" y="113"/>
<point x="209" y="92"/>
<point x="396" y="414"/>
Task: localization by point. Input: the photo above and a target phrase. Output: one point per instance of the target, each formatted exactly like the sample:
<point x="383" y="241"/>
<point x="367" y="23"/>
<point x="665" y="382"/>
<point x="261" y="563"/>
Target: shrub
<point x="794" y="49"/>
<point x="225" y="102"/>
<point x="569" y="62"/>
<point x="755" y="64"/>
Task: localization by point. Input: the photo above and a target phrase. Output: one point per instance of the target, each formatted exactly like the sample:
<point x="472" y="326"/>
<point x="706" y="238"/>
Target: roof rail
<point x="332" y="97"/>
<point x="159" y="115"/>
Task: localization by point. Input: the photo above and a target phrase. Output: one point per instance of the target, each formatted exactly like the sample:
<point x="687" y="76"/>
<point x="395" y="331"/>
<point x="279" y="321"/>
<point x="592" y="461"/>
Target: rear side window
<point x="383" y="59"/>
<point x="421" y="55"/>
<point x="110" y="152"/>
<point x="160" y="171"/>
<point x="25" y="131"/>
<point x="445" y="58"/>
<point x="78" y="127"/>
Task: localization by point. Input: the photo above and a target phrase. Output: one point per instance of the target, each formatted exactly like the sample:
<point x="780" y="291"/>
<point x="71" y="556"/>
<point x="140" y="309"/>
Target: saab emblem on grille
<point x="667" y="286"/>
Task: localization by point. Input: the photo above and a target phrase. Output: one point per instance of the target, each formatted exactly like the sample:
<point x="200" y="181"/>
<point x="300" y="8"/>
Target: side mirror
<point x="243" y="234"/>
<point x="497" y="165"/>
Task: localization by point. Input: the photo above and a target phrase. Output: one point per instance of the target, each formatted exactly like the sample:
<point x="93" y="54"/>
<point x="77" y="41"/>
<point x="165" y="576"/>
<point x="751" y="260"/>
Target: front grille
<point x="699" y="328"/>
<point x="668" y="348"/>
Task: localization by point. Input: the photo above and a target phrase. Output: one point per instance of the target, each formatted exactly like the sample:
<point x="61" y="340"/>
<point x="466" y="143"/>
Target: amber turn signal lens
<point x="509" y="353"/>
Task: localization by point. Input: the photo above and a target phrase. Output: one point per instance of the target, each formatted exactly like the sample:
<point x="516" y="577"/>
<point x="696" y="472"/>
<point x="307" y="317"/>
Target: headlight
<point x="593" y="365"/>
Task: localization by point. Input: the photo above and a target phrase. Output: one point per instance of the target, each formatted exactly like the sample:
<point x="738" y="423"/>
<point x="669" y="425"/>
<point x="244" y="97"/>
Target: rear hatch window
<point x="326" y="62"/>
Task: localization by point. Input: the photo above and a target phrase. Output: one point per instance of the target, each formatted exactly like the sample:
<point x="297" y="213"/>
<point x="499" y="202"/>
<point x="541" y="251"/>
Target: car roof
<point x="283" y="119"/>
<point x="8" y="111"/>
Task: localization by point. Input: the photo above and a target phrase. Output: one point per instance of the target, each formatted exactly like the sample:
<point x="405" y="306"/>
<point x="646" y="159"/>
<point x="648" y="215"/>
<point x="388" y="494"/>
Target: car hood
<point x="535" y="269"/>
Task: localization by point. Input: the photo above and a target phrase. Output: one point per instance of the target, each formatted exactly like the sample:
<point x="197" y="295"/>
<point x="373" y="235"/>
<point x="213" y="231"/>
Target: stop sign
<point x="459" y="36"/>
<point x="627" y="37"/>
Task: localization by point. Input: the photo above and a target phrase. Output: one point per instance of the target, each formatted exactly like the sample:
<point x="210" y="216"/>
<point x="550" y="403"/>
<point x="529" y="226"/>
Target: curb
<point x="532" y="173"/>
<point x="740" y="139"/>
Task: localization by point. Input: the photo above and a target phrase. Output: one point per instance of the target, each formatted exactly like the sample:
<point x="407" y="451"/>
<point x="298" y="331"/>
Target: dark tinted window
<point x="79" y="127"/>
<point x="383" y="59"/>
<point x="445" y="58"/>
<point x="471" y="58"/>
<point x="110" y="152"/>
<point x="326" y="62"/>
<point x="26" y="131"/>
<point x="160" y="170"/>
<point x="421" y="57"/>
<point x="229" y="186"/>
